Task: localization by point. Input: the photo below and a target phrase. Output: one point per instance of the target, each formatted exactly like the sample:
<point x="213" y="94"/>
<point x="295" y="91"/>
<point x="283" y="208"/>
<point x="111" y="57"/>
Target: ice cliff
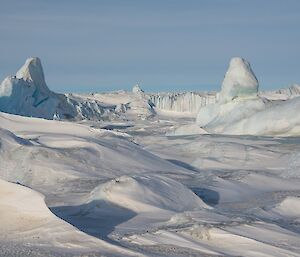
<point x="182" y="102"/>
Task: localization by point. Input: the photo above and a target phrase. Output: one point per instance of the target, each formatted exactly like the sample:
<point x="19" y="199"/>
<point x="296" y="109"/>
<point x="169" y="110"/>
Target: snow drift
<point x="147" y="193"/>
<point x="25" y="216"/>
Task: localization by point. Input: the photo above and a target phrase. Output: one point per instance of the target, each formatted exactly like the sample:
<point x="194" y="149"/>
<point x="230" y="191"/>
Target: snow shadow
<point x="97" y="218"/>
<point x="183" y="165"/>
<point x="208" y="196"/>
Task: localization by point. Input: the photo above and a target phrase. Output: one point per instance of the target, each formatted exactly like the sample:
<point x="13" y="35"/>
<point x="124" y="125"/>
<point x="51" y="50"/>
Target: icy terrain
<point x="240" y="110"/>
<point x="133" y="191"/>
<point x="27" y="94"/>
<point x="134" y="174"/>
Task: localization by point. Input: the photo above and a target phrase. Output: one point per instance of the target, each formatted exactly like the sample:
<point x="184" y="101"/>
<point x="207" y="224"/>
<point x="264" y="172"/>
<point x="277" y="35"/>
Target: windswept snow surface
<point x="130" y="190"/>
<point x="159" y="193"/>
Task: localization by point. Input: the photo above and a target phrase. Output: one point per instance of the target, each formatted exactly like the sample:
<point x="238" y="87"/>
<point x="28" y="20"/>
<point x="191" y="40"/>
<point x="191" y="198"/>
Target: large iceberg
<point x="27" y="94"/>
<point x="241" y="110"/>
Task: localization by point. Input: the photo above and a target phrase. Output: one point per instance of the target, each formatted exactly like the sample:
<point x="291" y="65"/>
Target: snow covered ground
<point x="130" y="190"/>
<point x="134" y="174"/>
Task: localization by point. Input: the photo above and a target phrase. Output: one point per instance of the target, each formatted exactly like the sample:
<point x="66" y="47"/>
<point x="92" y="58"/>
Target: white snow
<point x="131" y="174"/>
<point x="288" y="208"/>
<point x="24" y="216"/>
<point x="147" y="193"/>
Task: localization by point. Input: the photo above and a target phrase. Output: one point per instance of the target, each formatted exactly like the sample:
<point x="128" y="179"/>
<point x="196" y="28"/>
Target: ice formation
<point x="182" y="102"/>
<point x="27" y="94"/>
<point x="240" y="110"/>
<point x="239" y="81"/>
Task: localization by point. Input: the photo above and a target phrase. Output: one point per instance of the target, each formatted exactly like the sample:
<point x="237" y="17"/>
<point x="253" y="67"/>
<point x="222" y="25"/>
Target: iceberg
<point x="241" y="110"/>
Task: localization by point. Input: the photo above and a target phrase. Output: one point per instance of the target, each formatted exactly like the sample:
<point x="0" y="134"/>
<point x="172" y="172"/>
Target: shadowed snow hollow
<point x="147" y="193"/>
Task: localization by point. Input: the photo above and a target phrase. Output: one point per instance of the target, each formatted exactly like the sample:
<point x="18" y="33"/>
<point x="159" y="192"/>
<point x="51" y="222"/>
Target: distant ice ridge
<point x="241" y="110"/>
<point x="283" y="93"/>
<point x="27" y="94"/>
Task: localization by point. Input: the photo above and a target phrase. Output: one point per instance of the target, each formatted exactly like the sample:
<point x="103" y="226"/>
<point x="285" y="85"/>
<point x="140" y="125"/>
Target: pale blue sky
<point x="90" y="45"/>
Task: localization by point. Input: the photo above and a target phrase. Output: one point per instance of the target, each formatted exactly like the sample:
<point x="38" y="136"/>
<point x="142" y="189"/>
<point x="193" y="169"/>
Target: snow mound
<point x="21" y="208"/>
<point x="289" y="208"/>
<point x="239" y="81"/>
<point x="147" y="193"/>
<point x="24" y="216"/>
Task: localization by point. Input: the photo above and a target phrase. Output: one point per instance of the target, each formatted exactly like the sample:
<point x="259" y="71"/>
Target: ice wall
<point x="182" y="102"/>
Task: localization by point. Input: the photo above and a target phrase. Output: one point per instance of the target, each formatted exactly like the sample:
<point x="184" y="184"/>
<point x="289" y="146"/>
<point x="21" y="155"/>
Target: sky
<point x="164" y="45"/>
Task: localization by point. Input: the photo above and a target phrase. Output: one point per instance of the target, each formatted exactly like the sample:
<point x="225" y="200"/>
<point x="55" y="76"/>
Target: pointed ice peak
<point x="32" y="71"/>
<point x="239" y="81"/>
<point x="137" y="89"/>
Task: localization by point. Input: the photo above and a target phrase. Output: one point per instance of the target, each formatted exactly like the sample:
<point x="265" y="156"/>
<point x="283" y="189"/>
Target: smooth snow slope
<point x="150" y="193"/>
<point x="147" y="193"/>
<point x="58" y="154"/>
<point x="25" y="217"/>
